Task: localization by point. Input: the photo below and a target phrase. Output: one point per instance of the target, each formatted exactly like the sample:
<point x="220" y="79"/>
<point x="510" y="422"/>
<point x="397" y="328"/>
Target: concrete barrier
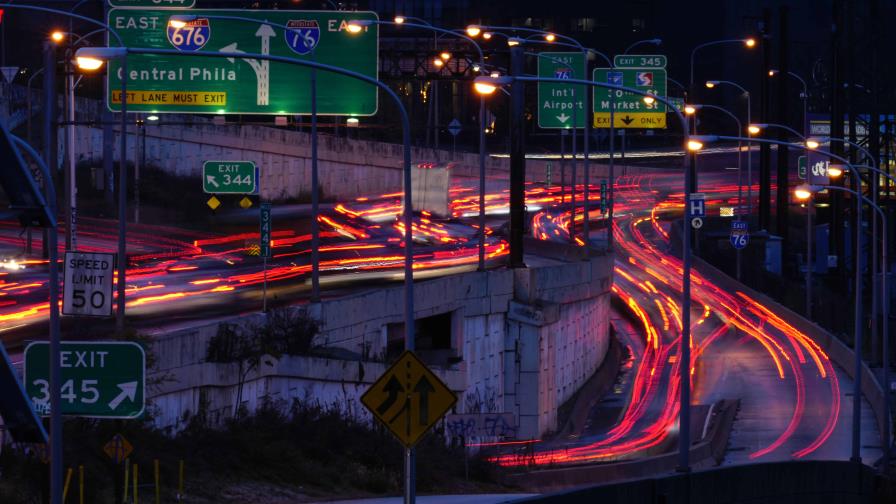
<point x="837" y="350"/>
<point x="810" y="482"/>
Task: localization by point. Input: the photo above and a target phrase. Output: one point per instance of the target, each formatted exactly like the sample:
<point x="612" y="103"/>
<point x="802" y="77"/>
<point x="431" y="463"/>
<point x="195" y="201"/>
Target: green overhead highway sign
<point x="154" y="4"/>
<point x="229" y="177"/>
<point x="631" y="110"/>
<point x="639" y="61"/>
<point x="559" y="104"/>
<point x="194" y="84"/>
<point x="100" y="379"/>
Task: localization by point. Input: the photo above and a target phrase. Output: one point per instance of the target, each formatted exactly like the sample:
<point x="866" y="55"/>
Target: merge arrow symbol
<point x="424" y="388"/>
<point x="563" y="118"/>
<point x="230" y="48"/>
<point x="210" y="179"/>
<point x="128" y="391"/>
<point x="627" y="120"/>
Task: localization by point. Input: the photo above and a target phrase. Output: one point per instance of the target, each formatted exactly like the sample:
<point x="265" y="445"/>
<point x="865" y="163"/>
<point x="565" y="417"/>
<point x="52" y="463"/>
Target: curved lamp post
<point x="712" y="84"/>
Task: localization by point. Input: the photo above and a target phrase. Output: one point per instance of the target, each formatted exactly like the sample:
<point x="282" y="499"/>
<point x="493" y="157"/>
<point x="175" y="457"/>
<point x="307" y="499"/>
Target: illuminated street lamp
<point x="714" y="83"/>
<point x="57" y="36"/>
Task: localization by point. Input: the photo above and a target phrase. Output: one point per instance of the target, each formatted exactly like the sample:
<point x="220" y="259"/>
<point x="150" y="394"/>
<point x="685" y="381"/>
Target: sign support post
<point x="265" y="251"/>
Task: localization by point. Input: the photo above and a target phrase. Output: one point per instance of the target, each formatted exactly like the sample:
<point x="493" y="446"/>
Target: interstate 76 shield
<point x="740" y="235"/>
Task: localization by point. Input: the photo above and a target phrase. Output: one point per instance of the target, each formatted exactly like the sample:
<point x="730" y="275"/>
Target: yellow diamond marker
<point x="245" y="202"/>
<point x="213" y="203"/>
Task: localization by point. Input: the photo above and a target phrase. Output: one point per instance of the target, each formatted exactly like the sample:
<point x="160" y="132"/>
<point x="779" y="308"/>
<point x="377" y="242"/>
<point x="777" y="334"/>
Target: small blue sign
<point x="563" y="73"/>
<point x="302" y="35"/>
<point x="697" y="206"/>
<point x="644" y="79"/>
<point x="614" y="78"/>
<point x="740" y="235"/>
<point x="192" y="36"/>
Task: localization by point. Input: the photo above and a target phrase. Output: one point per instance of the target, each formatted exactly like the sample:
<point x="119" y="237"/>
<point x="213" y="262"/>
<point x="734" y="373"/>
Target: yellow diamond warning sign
<point x="213" y="203"/>
<point x="408" y="399"/>
<point x="118" y="448"/>
<point x="630" y="120"/>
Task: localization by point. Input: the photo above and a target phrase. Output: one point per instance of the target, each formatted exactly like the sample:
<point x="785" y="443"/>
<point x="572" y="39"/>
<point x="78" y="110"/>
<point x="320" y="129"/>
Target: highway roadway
<point x="794" y="399"/>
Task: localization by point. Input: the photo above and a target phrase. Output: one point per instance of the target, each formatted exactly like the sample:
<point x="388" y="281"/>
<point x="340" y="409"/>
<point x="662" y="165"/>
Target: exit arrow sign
<point x="99" y="379"/>
<point x="229" y="177"/>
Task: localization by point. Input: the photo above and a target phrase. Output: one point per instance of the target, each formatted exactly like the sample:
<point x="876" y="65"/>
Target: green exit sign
<point x="158" y="4"/>
<point x="639" y="61"/>
<point x="229" y="177"/>
<point x="99" y="379"/>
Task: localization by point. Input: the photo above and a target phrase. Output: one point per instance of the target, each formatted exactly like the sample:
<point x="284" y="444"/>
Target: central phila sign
<point x="88" y="284"/>
<point x="187" y="83"/>
<point x="100" y="379"/>
<point x="408" y="399"/>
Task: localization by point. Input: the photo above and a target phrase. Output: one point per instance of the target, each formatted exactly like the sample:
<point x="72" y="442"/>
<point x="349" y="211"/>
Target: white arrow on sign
<point x="261" y="68"/>
<point x="128" y="390"/>
<point x="210" y="179"/>
<point x="563" y="117"/>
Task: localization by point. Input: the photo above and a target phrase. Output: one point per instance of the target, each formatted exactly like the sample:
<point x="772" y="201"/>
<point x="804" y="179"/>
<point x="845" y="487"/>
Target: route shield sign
<point x="408" y="399"/>
<point x="88" y="284"/>
<point x="100" y="379"/>
<point x="739" y="234"/>
<point x="185" y="83"/>
<point x="631" y="111"/>
<point x="560" y="105"/>
<point x="229" y="177"/>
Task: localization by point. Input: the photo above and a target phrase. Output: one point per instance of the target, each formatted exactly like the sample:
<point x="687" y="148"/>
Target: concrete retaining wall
<point x="348" y="168"/>
<point x="523" y="341"/>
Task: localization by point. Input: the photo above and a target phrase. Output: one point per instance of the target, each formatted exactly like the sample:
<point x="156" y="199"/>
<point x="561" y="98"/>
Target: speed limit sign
<point x="88" y="284"/>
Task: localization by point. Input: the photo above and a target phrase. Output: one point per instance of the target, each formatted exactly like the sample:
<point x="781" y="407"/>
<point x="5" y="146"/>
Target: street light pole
<point x="56" y="462"/>
<point x="749" y="144"/>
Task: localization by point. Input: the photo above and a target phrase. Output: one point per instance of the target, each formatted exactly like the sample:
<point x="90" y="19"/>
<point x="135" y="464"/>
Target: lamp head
<point x="649" y="100"/>
<point x="750" y="42"/>
<point x="92" y="58"/>
<point x="488" y="85"/>
<point x="513" y="41"/>
<point x="57" y="36"/>
<point x="180" y="20"/>
<point x="691" y="109"/>
<point x="445" y="55"/>
<point x="812" y="144"/>
<point x="399" y="19"/>
<point x="438" y="62"/>
<point x="711" y="84"/>
<point x="835" y="170"/>
<point x="803" y="192"/>
<point x="473" y="30"/>
<point x="487" y="35"/>
<point x="772" y="72"/>
<point x="354" y="27"/>
<point x="550" y="37"/>
<point x="754" y="129"/>
<point x="694" y="145"/>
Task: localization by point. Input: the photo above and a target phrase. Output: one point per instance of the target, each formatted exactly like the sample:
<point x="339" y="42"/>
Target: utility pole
<point x="50" y="120"/>
<point x="517" y="160"/>
<point x="782" y="200"/>
<point x="836" y="121"/>
<point x="765" y="181"/>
